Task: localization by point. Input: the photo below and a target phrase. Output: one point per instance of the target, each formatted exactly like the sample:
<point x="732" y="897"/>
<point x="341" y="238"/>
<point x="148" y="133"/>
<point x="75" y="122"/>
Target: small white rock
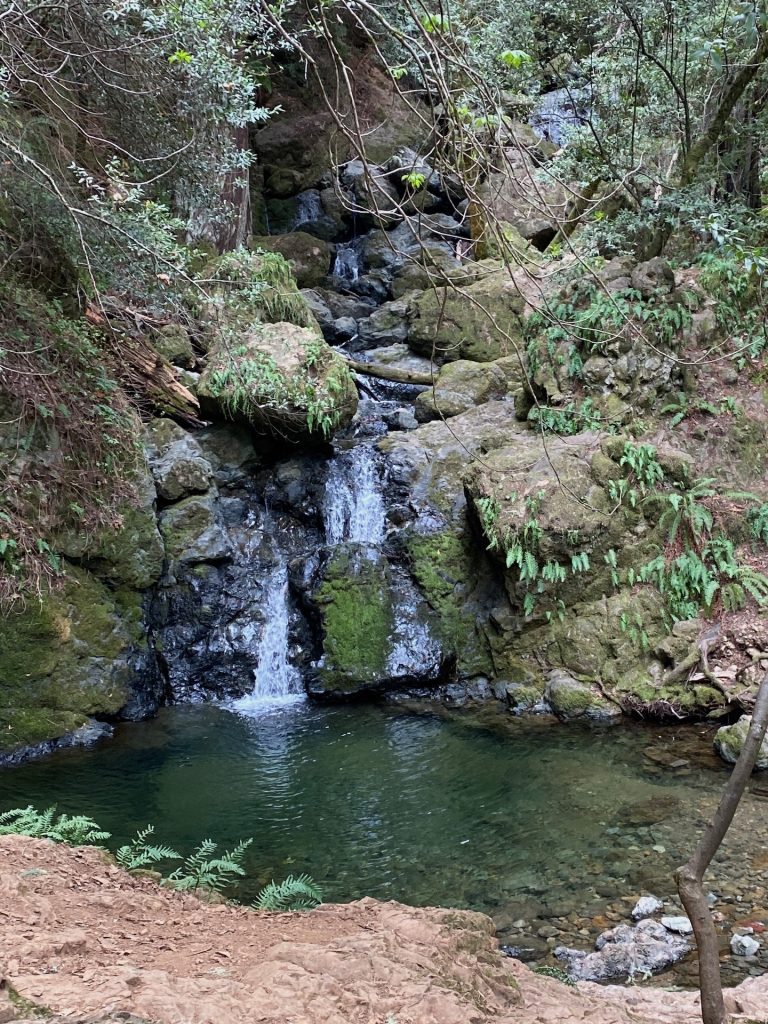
<point x="744" y="945"/>
<point x="680" y="925"/>
<point x="646" y="906"/>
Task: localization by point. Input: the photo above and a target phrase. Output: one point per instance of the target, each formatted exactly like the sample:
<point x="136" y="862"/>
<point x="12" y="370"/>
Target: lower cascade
<point x="277" y="681"/>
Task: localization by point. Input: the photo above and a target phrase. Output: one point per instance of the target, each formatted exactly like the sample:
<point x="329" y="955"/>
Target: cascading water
<point x="354" y="507"/>
<point x="308" y="209"/>
<point x="346" y="265"/>
<point x="277" y="681"/>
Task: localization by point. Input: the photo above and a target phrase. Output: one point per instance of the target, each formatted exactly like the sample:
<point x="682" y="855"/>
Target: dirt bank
<point x="85" y="940"/>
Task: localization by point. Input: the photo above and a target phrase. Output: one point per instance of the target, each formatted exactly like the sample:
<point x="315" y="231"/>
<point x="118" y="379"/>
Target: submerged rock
<point x="626" y="951"/>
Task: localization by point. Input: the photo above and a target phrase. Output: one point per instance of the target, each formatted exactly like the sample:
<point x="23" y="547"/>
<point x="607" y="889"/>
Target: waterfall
<point x="276" y="680"/>
<point x="353" y="508"/>
<point x="309" y="209"/>
<point x="346" y="266"/>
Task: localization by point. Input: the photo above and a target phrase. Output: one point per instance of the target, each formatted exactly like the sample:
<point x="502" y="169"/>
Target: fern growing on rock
<point x="293" y="893"/>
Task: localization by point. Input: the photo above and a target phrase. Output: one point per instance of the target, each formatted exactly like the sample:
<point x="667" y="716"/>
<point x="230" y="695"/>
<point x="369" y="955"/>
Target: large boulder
<point x="730" y="739"/>
<point x="460" y="386"/>
<point x="281" y="380"/>
<point x="78" y="652"/>
<point x="308" y="257"/>
<point x="569" y="699"/>
<point x="482" y="321"/>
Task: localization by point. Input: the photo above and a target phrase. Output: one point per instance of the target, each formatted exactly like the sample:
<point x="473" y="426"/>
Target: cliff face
<point x="87" y="941"/>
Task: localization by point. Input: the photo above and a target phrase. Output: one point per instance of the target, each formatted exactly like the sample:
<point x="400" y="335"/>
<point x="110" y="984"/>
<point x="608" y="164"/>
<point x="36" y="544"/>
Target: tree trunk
<point x="730" y="98"/>
<point x="690" y="877"/>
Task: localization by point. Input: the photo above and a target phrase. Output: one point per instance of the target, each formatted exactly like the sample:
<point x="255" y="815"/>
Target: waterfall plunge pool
<point x="529" y="821"/>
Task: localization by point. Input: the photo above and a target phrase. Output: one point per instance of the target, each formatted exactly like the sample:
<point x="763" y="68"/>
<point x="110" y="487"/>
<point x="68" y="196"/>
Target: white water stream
<point x="277" y="682"/>
<point x="353" y="509"/>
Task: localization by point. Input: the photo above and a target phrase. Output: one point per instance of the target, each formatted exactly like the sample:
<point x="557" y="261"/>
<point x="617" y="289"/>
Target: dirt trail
<point x="84" y="939"/>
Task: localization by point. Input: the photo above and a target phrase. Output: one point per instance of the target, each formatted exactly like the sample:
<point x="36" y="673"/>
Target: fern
<point x="294" y="893"/>
<point x="201" y="870"/>
<point x="139" y="854"/>
<point x="557" y="973"/>
<point x="76" y="830"/>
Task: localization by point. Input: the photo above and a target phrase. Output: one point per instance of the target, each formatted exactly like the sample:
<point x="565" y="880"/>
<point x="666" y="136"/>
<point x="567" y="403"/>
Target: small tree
<point x="690" y="877"/>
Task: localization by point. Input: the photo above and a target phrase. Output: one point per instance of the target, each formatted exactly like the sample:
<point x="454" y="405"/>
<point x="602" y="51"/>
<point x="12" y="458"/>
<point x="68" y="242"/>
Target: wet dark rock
<point x="386" y="326"/>
<point x="527" y="954"/>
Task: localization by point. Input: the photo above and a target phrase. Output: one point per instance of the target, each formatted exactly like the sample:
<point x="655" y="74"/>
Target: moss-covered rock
<point x="482" y="322"/>
<point x="730" y="739"/>
<point x="172" y="341"/>
<point x="569" y="699"/>
<point x="177" y="461"/>
<point x="246" y="288"/>
<point x="193" y="532"/>
<point x="308" y="257"/>
<point x="551" y="523"/>
<point x="66" y="658"/>
<point x="130" y="554"/>
<point x="355" y="608"/>
<point x="448" y="571"/>
<point x="460" y="386"/>
<point x="281" y="380"/>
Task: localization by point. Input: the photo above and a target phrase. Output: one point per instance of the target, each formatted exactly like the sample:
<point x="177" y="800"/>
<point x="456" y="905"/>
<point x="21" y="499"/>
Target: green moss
<point x="256" y="288"/>
<point x="63" y="659"/>
<point x="444" y="566"/>
<point x="481" y="322"/>
<point x="357" y="623"/>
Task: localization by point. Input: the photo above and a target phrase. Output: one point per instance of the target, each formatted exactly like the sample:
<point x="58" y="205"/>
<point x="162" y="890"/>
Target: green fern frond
<point x="141" y="854"/>
<point x="76" y="830"/>
<point x="294" y="893"/>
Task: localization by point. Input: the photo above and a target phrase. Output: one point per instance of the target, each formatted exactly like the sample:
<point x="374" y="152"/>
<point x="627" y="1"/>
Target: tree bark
<point x="690" y="877"/>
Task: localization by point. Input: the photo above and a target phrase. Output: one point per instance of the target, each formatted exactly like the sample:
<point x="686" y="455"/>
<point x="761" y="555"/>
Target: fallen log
<point x="392" y="373"/>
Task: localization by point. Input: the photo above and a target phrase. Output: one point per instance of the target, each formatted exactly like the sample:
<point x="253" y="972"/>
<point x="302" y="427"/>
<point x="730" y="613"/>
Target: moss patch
<point x="64" y="660"/>
<point x="357" y="623"/>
